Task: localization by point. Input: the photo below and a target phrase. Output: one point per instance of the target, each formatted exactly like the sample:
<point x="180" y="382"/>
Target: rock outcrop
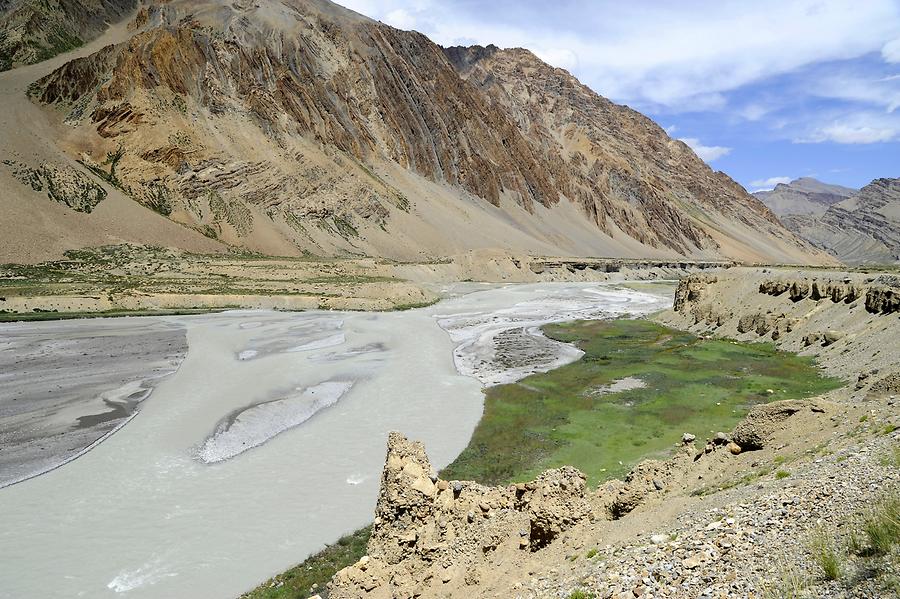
<point x="803" y="196"/>
<point x="764" y="420"/>
<point x="34" y="30"/>
<point x="864" y="228"/>
<point x="847" y="320"/>
<point x="430" y="532"/>
<point x="63" y="184"/>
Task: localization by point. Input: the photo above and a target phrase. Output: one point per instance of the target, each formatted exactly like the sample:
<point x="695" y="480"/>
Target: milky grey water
<point x="268" y="441"/>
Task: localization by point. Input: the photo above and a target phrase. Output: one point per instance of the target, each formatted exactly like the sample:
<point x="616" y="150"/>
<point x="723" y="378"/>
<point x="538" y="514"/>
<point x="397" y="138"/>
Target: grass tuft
<point x="790" y="584"/>
<point x="299" y="581"/>
<point x="826" y="554"/>
<point x="881" y="525"/>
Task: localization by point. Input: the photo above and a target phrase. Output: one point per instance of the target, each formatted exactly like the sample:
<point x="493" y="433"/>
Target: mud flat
<point x="291" y="410"/>
<point x="65" y="386"/>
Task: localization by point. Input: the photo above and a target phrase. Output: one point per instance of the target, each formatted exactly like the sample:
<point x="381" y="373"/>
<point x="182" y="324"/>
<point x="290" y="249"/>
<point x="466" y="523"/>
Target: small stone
<point x="693" y="561"/>
<point x="688" y="438"/>
<point x="721" y="438"/>
<point x="457" y="487"/>
<point x="442" y="485"/>
<point x="363" y="562"/>
<point x="657" y="484"/>
<point x="734" y="448"/>
<point x="659" y="539"/>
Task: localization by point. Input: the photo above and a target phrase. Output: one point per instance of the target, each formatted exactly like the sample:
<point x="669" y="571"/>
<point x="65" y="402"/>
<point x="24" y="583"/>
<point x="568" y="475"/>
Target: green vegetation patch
<point x="297" y="583"/>
<point x="566" y="417"/>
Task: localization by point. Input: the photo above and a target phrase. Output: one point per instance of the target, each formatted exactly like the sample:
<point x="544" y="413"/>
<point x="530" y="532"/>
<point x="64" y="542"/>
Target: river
<point x="266" y="438"/>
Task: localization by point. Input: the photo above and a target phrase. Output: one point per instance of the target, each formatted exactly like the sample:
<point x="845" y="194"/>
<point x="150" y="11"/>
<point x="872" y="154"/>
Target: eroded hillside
<point x="286" y="126"/>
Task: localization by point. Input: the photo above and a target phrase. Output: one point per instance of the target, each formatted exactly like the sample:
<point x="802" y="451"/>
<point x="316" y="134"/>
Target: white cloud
<point x="400" y="19"/>
<point x="861" y="127"/>
<point x="558" y="57"/>
<point x="754" y="111"/>
<point x="768" y="184"/>
<point x="891" y="51"/>
<point x="671" y="129"/>
<point x="706" y="153"/>
<point x="844" y="84"/>
<point x="679" y="56"/>
<point x="844" y="133"/>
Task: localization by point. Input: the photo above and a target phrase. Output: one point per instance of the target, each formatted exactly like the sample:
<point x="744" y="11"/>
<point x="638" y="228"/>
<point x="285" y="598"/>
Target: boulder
<point x="832" y="336"/>
<point x="757" y="428"/>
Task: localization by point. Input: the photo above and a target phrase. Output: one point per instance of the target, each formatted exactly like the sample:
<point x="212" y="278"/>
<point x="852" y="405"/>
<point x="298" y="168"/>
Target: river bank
<point x="795" y="501"/>
<point x="123" y="280"/>
<point x="151" y="518"/>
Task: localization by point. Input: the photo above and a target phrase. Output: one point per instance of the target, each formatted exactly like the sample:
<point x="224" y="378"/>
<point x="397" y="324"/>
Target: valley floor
<point x="800" y="500"/>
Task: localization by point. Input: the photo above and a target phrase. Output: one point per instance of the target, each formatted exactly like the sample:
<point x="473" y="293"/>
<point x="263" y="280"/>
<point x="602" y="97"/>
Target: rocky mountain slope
<point x="34" y="30"/>
<point x="289" y="126"/>
<point x="803" y="196"/>
<point x="864" y="228"/>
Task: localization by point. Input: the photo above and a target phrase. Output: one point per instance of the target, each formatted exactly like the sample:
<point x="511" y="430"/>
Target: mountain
<point x="864" y="228"/>
<point x="291" y="126"/>
<point x="803" y="196"/>
<point x="34" y="30"/>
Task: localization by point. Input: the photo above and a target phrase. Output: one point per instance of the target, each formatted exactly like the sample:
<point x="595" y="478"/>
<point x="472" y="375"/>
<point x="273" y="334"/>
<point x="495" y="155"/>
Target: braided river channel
<point x="195" y="456"/>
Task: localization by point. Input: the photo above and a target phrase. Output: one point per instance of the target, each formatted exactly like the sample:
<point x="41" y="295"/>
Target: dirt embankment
<point x="705" y="522"/>
<point x="848" y="321"/>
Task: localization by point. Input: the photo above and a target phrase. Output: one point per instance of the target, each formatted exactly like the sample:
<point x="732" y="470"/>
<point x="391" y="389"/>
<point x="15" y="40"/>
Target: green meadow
<point x="564" y="416"/>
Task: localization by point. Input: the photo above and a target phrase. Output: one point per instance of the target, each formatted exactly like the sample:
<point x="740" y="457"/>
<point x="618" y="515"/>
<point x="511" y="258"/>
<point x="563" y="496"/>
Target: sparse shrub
<point x="826" y="554"/>
<point x="892" y="458"/>
<point x="591" y="553"/>
<point x="782" y="474"/>
<point x="790" y="583"/>
<point x="882" y="525"/>
<point x="579" y="594"/>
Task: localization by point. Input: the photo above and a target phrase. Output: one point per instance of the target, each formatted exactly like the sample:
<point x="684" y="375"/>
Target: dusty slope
<point x="864" y="228"/>
<point x="294" y="125"/>
<point x="714" y="521"/>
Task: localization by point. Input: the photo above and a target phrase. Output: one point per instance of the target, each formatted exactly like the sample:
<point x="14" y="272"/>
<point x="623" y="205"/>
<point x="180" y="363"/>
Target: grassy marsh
<point x="563" y="417"/>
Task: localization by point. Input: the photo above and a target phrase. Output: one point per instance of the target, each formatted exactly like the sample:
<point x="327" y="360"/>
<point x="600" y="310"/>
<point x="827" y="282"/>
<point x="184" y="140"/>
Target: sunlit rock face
<point x="297" y="123"/>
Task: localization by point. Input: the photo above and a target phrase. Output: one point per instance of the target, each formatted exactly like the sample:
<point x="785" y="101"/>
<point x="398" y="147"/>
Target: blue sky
<point x="766" y="91"/>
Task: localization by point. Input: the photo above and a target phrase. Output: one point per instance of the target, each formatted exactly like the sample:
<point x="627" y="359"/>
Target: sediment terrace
<point x="131" y="278"/>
